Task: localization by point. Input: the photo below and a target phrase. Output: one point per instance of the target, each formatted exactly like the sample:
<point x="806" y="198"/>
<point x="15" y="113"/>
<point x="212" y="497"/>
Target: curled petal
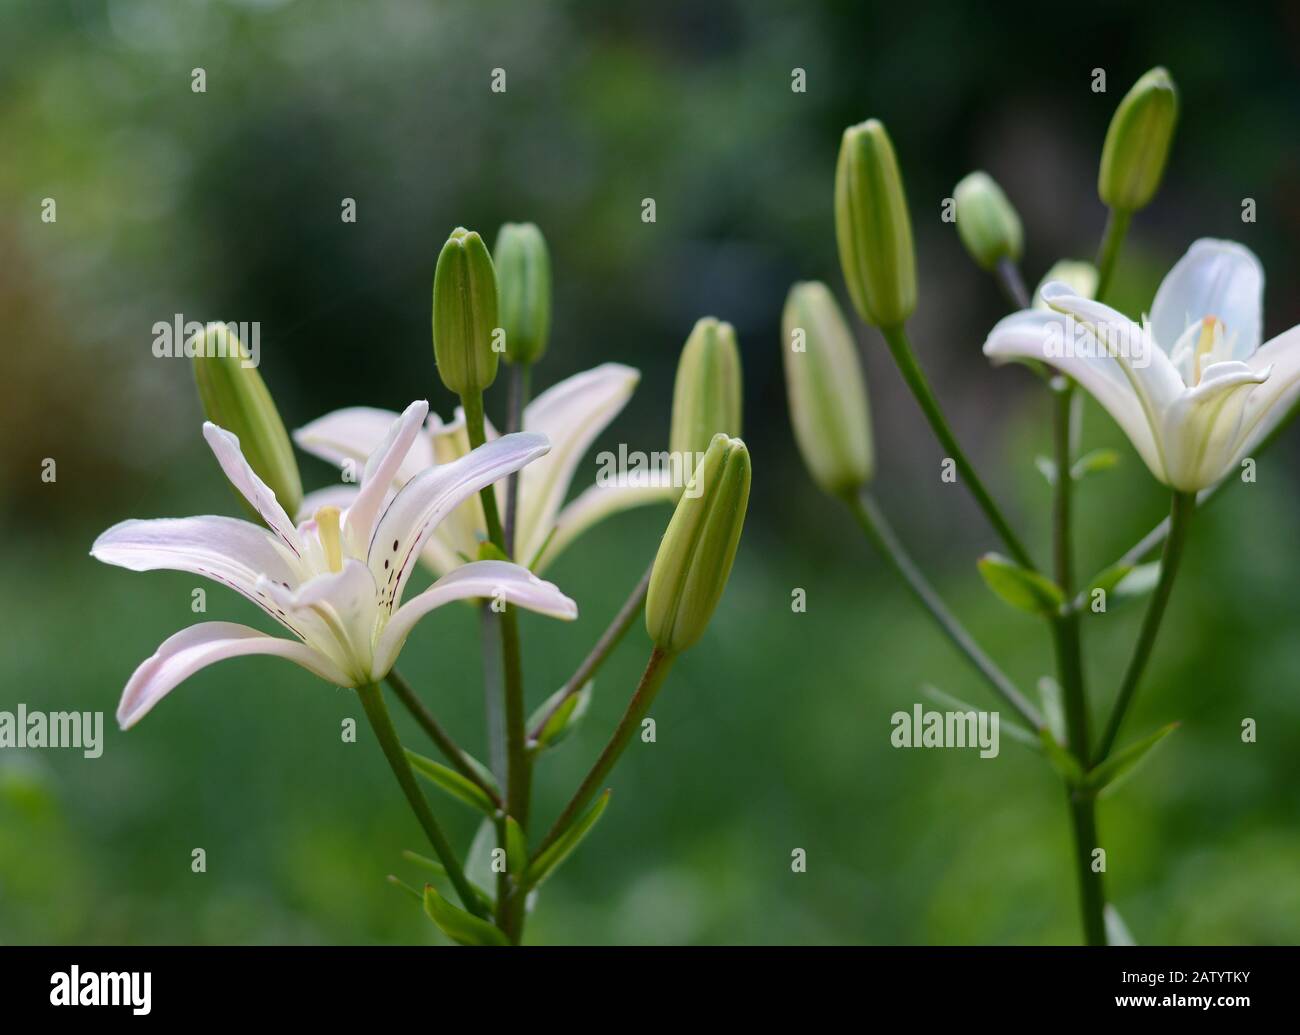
<point x="381" y="471"/>
<point x="499" y="580"/>
<point x="183" y="654"/>
<point x="354" y="433"/>
<point x="225" y="447"/>
<point x="1215" y="278"/>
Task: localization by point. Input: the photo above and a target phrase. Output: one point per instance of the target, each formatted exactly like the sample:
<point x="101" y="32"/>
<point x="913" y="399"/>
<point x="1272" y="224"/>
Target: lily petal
<point x="183" y="654"/>
<point x="381" y="471"/>
<point x="354" y="433"/>
<point x="591" y="507"/>
<point x="1033" y="334"/>
<point x="233" y="552"/>
<point x="1201" y="429"/>
<point x="571" y="414"/>
<point x="225" y="446"/>
<point x="344" y="603"/>
<point x="494" y="579"/>
<point x="1222" y="279"/>
<point x="1272" y="401"/>
<point x="428" y="497"/>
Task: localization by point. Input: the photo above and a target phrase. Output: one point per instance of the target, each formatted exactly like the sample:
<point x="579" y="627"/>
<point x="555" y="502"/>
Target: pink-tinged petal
<point x="351" y="435"/>
<point x="429" y="497"/>
<point x="225" y="446"/>
<point x="1034" y="334"/>
<point x="571" y="414"/>
<point x="191" y="649"/>
<point x="491" y="579"/>
<point x="380" y="474"/>
<point x="233" y="552"/>
<point x="1215" y="278"/>
<point x="341" y="496"/>
<point x="592" y="507"/>
<point x="1272" y="401"/>
<point x="344" y="609"/>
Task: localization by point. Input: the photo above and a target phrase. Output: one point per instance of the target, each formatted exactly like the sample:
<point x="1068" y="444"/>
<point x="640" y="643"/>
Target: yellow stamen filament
<point x="327" y="525"/>
<point x="1211" y="332"/>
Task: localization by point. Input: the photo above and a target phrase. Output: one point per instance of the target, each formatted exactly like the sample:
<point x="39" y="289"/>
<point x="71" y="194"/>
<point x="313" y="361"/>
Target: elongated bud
<point x="706" y="396"/>
<point x="1079" y="276"/>
<point x="873" y="227"/>
<point x="465" y="314"/>
<point x="234" y="397"/>
<point x="1137" y="143"/>
<point x="523" y="290"/>
<point x="695" y="557"/>
<point x="986" y="223"/>
<point x="827" y="393"/>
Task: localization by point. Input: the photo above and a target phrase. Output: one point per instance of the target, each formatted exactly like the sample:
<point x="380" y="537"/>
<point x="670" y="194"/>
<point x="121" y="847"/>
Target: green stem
<point x="1092" y="890"/>
<point x="476" y="429"/>
<point x="882" y="536"/>
<point x="651" y="680"/>
<point x="1112" y="240"/>
<point x="493" y="692"/>
<point x="1180" y="516"/>
<point x="604" y="647"/>
<point x="1012" y="283"/>
<point x="901" y="349"/>
<point x="1066" y="631"/>
<point x="372" y="699"/>
<point x="450" y="749"/>
<point x="520" y="377"/>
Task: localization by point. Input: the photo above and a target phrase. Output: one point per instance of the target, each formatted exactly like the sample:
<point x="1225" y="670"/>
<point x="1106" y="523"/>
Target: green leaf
<point x="1090" y="463"/>
<point x="560" y="850"/>
<point x="489" y="551"/>
<point x="1012" y="729"/>
<point x="457" y="924"/>
<point x="1062" y="761"/>
<point x="1121" y="764"/>
<point x="1047" y="468"/>
<point x="429" y="864"/>
<point x="565" y="719"/>
<point x="1109" y="579"/>
<point x="397" y="882"/>
<point x="1049" y="692"/>
<point x="516" y="849"/>
<point x="1138" y="582"/>
<point x="458" y="786"/>
<point x="1019" y="587"/>
<point x="1117" y="932"/>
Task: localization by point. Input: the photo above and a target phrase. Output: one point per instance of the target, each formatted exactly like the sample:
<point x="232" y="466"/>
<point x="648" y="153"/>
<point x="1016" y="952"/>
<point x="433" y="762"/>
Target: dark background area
<point x="774" y="732"/>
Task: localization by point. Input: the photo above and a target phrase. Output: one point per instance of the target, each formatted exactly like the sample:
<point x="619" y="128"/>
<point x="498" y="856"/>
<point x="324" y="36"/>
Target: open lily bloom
<point x="334" y="581"/>
<point x="1191" y="386"/>
<point x="570" y="414"/>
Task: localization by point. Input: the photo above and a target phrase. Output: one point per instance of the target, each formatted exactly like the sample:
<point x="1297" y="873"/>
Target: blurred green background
<point x="774" y="731"/>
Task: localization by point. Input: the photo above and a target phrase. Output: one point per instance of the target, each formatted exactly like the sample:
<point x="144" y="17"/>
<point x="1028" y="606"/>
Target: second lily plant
<point x="484" y="513"/>
<point x="1193" y="385"/>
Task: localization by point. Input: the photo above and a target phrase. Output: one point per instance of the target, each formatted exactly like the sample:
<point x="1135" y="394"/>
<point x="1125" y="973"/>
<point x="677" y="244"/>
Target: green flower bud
<point x="873" y="227"/>
<point x="695" y="557"/>
<point x="1137" y="143"/>
<point x="523" y="290"/>
<point x="986" y="222"/>
<point x="827" y="393"/>
<point x="234" y="397"/>
<point x="465" y="314"/>
<point x="1080" y="276"/>
<point x="706" y="396"/>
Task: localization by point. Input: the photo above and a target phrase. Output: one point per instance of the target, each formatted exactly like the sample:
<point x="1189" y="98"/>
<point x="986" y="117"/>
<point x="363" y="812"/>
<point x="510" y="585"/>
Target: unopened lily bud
<point x="707" y="394"/>
<point x="873" y="227"/>
<point x="827" y="393"/>
<point x="696" y="554"/>
<point x="523" y="290"/>
<point x="1079" y="276"/>
<point x="986" y="222"/>
<point x="465" y="314"/>
<point x="235" y="397"/>
<point x="1137" y="143"/>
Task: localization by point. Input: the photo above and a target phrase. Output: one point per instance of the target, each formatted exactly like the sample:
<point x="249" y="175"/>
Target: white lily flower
<point x="571" y="414"/>
<point x="1192" y="386"/>
<point x="334" y="581"/>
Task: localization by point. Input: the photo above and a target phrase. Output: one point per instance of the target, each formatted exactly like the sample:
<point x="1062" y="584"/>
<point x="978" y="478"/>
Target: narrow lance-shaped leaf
<point x="516" y="849"/>
<point x="565" y="719"/>
<point x="1020" y="587"/>
<point x="1049" y="691"/>
<point x="445" y="779"/>
<point x="1091" y="463"/>
<point x="1062" y="761"/>
<point x="1120" y="765"/>
<point x="457" y="924"/>
<point x="563" y="846"/>
<point x="1011" y="729"/>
